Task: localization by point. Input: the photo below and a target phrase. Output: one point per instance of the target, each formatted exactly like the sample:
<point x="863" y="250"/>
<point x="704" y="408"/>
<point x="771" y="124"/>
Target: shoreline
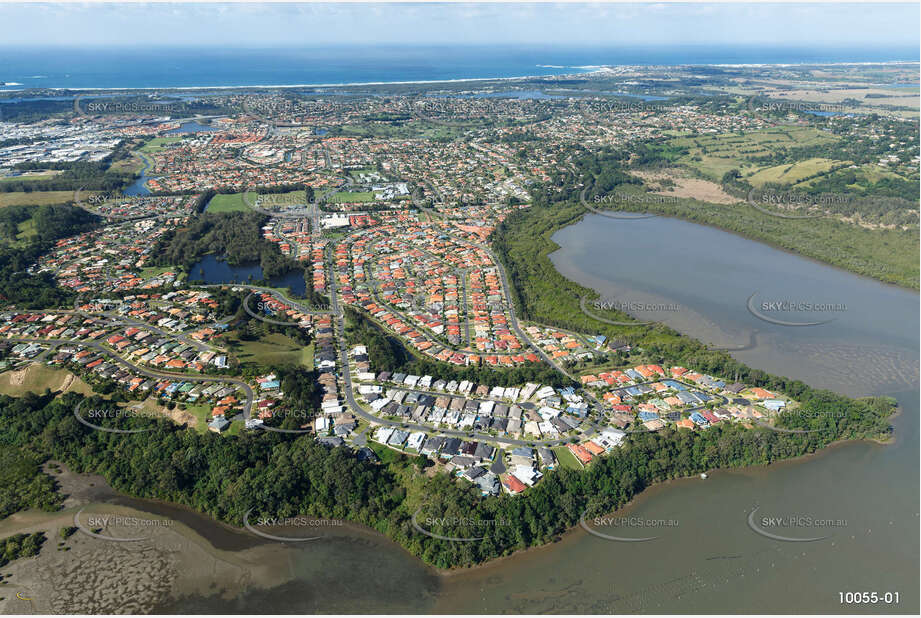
<point x="326" y="85"/>
<point x="584" y="70"/>
<point x="180" y="558"/>
<point x="769" y="243"/>
<point x="751" y="237"/>
<point x="193" y="541"/>
<point x="650" y="492"/>
<point x="87" y="575"/>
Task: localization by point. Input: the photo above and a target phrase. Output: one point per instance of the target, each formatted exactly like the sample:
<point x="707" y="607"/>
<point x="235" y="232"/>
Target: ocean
<point x="173" y="67"/>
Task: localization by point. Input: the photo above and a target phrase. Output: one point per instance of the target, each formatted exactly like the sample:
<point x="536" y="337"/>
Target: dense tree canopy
<point x="279" y="475"/>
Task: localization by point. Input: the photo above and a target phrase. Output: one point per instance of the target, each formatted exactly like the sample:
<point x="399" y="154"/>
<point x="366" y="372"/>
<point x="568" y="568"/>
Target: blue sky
<point x="611" y="25"/>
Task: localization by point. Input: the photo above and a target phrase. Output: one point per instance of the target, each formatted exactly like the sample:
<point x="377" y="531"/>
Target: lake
<point x="190" y="127"/>
<point x="868" y="347"/>
<point x="213" y="270"/>
<point x="710" y="562"/>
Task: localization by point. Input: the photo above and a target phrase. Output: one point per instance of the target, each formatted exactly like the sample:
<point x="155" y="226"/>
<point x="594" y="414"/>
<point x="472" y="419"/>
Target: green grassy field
<point x="282" y="199"/>
<point x="27" y="230"/>
<point x="152" y="271"/>
<point x="157" y="144"/>
<point x="235" y="428"/>
<point x="229" y="202"/>
<point x="132" y="164"/>
<point x="565" y="458"/>
<point x="40" y="198"/>
<point x="386" y="454"/>
<point x="792" y="173"/>
<point x="714" y="155"/>
<point x="351" y="196"/>
<point x="273" y="349"/>
<point x="365" y="170"/>
<point x="201" y="412"/>
<point x="26" y="177"/>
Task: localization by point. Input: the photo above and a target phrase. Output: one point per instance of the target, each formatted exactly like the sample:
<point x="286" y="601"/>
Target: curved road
<point x="152" y="373"/>
<point x="339" y="324"/>
<point x="277" y="295"/>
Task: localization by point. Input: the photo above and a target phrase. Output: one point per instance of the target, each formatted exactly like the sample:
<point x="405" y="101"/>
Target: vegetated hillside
<point x="45" y="224"/>
<point x="228" y="476"/>
<point x="84" y="175"/>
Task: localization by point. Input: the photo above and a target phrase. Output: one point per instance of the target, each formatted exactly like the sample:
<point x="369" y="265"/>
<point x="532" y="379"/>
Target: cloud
<point x="471" y="23"/>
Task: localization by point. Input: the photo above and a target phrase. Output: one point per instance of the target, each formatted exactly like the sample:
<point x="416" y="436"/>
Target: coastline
<point x="454" y="572"/>
<point x="246" y="581"/>
<point x="650" y="492"/>
<point x="581" y="70"/>
<point x="173" y="562"/>
<point x="182" y="548"/>
<point x="320" y="85"/>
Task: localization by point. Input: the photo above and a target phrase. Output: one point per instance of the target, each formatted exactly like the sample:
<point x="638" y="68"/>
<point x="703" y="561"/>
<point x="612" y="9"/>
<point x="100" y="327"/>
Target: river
<point x="139" y="186"/>
<point x="710" y="561"/>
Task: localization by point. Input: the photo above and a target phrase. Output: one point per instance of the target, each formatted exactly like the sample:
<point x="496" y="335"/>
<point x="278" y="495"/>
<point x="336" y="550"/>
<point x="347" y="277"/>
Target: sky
<point x="560" y="24"/>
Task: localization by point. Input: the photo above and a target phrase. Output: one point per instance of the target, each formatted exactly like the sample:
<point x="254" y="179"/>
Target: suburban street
<point x="153" y="373"/>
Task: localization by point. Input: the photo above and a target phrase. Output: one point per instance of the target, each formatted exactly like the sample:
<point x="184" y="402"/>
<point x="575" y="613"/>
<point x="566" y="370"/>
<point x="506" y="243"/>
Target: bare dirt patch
<point x="37" y="377"/>
<point x="691" y="188"/>
<point x="17" y="377"/>
<point x="181" y="417"/>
